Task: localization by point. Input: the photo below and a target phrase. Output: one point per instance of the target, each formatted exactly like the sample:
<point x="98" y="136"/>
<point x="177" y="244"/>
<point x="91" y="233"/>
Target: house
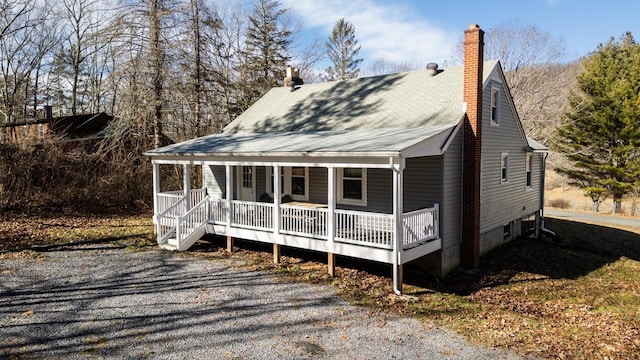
<point x="72" y="128"/>
<point x="428" y="166"/>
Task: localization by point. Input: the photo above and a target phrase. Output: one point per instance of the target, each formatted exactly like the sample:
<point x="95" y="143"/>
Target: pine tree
<point x="343" y="49"/>
<point x="266" y="52"/>
<point x="600" y="134"/>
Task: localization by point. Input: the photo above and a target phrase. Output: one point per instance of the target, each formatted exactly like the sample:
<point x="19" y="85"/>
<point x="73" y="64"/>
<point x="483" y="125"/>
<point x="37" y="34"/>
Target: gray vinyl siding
<point x="422" y="183"/>
<point x="502" y="203"/>
<point x="261" y="181"/>
<point x="451" y="206"/>
<point x="379" y="190"/>
<point x="214" y="180"/>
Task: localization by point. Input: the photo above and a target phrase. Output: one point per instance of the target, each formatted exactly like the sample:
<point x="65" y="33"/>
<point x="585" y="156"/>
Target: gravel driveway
<point x="99" y="301"/>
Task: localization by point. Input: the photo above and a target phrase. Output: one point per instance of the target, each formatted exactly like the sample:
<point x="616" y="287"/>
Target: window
<point x="507" y="231"/>
<point x="299" y="182"/>
<point x="294" y="181"/>
<point x="352" y="186"/>
<point x="528" y="166"/>
<point x="247" y="177"/>
<point x="495" y="95"/>
<point x="504" y="167"/>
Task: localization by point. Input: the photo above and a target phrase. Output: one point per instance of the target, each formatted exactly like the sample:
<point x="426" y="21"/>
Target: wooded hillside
<point x="170" y="70"/>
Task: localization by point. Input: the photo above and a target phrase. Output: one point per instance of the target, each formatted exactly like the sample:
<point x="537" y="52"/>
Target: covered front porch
<point x="183" y="216"/>
<point x="373" y="194"/>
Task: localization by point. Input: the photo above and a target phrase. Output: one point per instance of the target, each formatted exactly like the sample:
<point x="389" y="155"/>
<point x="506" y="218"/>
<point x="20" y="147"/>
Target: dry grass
<point x="28" y="232"/>
<point x="575" y="298"/>
<point x="560" y="195"/>
<point x="578" y="298"/>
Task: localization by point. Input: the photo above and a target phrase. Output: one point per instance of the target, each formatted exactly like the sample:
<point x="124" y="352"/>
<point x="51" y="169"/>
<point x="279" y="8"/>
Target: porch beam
<point x="368" y="161"/>
<point x="398" y="183"/>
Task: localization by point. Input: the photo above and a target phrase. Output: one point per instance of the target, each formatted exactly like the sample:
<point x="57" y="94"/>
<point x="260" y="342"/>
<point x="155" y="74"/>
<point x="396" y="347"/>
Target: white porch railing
<point x="169" y="198"/>
<point x="355" y="227"/>
<point x="304" y="221"/>
<point x="364" y="228"/>
<point x="420" y="226"/>
<point x="218" y="211"/>
<point x="252" y="215"/>
<point x="167" y="219"/>
<point x="194" y="218"/>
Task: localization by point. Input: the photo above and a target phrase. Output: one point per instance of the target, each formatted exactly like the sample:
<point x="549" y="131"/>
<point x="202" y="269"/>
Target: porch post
<point x="156" y="190"/>
<point x="331" y="227"/>
<point x="398" y="173"/>
<point x="276" y="212"/>
<point x="229" y="190"/>
<point x="186" y="180"/>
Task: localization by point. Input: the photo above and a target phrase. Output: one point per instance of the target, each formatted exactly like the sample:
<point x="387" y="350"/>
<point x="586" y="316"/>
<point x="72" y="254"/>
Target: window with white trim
<point x="299" y="180"/>
<point x="495" y="96"/>
<point x="528" y="168"/>
<point x="504" y="167"/>
<point x="352" y="186"/>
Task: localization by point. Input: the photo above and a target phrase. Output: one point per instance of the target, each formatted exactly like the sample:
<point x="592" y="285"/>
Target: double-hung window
<point x="504" y="167"/>
<point x="294" y="181"/>
<point x="352" y="186"/>
<point x="299" y="183"/>
<point x="495" y="97"/>
<point x="528" y="168"/>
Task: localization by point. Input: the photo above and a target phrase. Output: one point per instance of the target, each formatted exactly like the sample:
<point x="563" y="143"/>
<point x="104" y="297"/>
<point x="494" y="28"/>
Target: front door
<point x="247" y="183"/>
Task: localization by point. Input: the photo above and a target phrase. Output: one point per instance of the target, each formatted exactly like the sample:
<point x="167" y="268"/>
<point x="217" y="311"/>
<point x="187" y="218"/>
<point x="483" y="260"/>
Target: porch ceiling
<point x="406" y="142"/>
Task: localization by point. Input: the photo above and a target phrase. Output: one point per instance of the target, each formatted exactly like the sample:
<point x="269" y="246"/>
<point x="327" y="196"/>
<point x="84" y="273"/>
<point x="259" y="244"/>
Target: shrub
<point x="559" y="203"/>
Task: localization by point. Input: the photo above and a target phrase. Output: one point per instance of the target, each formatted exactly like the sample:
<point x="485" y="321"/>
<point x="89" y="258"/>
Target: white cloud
<point x="387" y="31"/>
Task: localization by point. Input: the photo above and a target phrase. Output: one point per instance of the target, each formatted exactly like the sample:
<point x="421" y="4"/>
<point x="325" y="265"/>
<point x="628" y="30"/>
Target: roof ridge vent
<point x="432" y="69"/>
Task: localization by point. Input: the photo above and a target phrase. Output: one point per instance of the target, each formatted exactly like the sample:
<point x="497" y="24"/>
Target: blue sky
<point x="425" y="31"/>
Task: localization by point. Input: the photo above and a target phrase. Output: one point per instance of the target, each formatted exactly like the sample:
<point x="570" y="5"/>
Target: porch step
<point x="170" y="245"/>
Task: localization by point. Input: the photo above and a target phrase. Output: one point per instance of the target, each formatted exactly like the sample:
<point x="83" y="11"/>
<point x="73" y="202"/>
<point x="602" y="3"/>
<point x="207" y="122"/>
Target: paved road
<point x="597" y="218"/>
<point x="98" y="302"/>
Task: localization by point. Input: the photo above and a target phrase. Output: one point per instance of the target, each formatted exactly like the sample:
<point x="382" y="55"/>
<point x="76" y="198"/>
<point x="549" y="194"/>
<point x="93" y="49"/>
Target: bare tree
<point x="538" y="81"/>
<point x="87" y="35"/>
<point x="384" y="66"/>
<point x="26" y="37"/>
<point x="157" y="61"/>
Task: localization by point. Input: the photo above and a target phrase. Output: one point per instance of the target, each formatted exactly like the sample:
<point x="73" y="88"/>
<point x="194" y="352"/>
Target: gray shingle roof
<point x="380" y="114"/>
<point x="411" y="99"/>
<point x="388" y="141"/>
<point x="536" y="146"/>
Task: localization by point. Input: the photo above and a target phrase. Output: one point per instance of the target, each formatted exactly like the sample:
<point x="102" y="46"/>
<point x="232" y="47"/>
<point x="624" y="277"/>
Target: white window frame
<point x="494" y="105"/>
<point x="287" y="181"/>
<point x="288" y="175"/>
<point x="340" y="195"/>
<point x="504" y="167"/>
<point x="529" y="171"/>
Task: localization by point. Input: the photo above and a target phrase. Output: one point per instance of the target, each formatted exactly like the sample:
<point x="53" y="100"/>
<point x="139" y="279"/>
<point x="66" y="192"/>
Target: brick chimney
<point x="292" y="79"/>
<point x="472" y="97"/>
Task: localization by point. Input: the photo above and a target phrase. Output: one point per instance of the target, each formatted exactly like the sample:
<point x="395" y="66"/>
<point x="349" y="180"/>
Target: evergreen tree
<point x="266" y="53"/>
<point x="600" y="134"/>
<point x="343" y="49"/>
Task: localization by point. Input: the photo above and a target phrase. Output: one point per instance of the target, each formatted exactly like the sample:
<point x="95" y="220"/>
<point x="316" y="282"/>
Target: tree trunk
<point x="157" y="60"/>
<point x="196" y="67"/>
